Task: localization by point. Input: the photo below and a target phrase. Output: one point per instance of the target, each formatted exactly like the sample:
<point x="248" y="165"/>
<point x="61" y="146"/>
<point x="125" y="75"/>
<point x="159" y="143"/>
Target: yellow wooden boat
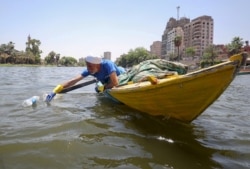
<point x="182" y="97"/>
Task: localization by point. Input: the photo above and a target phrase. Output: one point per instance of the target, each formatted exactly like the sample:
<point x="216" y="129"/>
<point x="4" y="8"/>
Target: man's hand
<point x="99" y="87"/>
<point x="50" y="96"/>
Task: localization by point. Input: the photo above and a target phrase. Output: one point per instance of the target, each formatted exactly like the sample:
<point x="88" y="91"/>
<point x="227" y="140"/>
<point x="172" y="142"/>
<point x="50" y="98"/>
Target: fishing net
<point x="158" y="68"/>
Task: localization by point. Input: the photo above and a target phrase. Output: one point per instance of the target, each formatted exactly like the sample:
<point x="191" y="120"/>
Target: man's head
<point x="93" y="64"/>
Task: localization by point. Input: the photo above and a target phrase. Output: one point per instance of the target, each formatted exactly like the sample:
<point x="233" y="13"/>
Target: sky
<point x="79" y="28"/>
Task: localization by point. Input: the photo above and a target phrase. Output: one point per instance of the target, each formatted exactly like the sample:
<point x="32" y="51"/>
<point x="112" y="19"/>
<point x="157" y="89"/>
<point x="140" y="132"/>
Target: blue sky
<point x="81" y="27"/>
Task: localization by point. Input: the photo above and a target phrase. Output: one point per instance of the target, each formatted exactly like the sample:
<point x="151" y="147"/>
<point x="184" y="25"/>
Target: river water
<point x="82" y="129"/>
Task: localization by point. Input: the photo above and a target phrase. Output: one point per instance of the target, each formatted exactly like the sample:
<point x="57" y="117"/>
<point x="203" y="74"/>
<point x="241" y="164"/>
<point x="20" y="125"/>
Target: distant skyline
<point x="81" y="27"/>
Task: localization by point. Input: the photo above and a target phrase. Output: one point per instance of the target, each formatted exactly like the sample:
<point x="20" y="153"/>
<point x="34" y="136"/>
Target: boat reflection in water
<point x="151" y="142"/>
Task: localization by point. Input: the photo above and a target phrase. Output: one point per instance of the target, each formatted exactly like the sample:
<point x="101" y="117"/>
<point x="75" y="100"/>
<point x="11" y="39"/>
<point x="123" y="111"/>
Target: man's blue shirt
<point x="107" y="67"/>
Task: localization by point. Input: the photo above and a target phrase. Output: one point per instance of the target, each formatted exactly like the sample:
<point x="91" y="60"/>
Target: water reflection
<point x="85" y="130"/>
<point x="135" y="140"/>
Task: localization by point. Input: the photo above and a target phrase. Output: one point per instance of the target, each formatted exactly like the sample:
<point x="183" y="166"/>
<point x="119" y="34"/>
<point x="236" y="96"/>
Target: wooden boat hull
<point x="182" y="97"/>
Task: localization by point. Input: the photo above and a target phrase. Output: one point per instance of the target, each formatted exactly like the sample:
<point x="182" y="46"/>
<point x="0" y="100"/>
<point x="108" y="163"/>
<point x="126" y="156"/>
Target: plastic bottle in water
<point x="31" y="101"/>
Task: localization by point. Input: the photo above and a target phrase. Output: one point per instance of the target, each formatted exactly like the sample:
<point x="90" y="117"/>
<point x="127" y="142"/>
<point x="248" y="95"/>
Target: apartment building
<point x="170" y="46"/>
<point x="199" y="34"/>
<point x="107" y="55"/>
<point x="155" y="48"/>
<point x="172" y="23"/>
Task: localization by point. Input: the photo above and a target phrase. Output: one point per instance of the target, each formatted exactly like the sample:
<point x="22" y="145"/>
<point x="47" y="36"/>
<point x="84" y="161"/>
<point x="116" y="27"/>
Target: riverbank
<point x="31" y="65"/>
<point x="23" y="65"/>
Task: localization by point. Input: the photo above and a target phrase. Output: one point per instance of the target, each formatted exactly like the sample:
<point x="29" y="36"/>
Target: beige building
<point x="171" y="24"/>
<point x="107" y="55"/>
<point x="171" y="49"/>
<point x="199" y="34"/>
<point x="155" y="48"/>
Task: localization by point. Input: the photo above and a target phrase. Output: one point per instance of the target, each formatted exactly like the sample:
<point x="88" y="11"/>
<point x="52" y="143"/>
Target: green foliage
<point x="177" y="43"/>
<point x="190" y="51"/>
<point x="172" y="57"/>
<point x="32" y="48"/>
<point x="235" y="46"/>
<point x="32" y="54"/>
<point x="207" y="63"/>
<point x="52" y="58"/>
<point x="134" y="57"/>
<point x="8" y="54"/>
<point x="57" y="58"/>
<point x="67" y="61"/>
<point x="7" y="48"/>
<point x="82" y="64"/>
<point x="210" y="53"/>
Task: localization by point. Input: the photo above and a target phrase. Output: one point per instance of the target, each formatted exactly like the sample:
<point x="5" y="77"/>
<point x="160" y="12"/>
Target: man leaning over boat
<point x="105" y="71"/>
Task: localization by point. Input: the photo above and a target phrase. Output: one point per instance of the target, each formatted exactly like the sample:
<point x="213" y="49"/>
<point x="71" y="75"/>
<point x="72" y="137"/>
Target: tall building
<point x="107" y="55"/>
<point x="172" y="23"/>
<point x="170" y="46"/>
<point x="199" y="34"/>
<point x="155" y="48"/>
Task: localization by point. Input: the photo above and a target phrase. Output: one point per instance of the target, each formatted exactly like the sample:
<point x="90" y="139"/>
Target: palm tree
<point x="177" y="43"/>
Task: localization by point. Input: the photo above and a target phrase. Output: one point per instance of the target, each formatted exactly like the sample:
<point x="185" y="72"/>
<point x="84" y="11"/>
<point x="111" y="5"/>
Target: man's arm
<point x="60" y="87"/>
<point x="72" y="81"/>
<point x="113" y="81"/>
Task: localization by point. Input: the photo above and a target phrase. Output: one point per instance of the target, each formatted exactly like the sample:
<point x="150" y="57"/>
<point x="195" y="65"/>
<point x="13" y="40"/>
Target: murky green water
<point x="82" y="129"/>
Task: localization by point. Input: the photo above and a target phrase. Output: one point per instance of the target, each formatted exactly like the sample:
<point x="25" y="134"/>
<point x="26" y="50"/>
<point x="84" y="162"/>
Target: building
<point x="107" y="55"/>
<point x="155" y="48"/>
<point x="171" y="24"/>
<point x="199" y="34"/>
<point x="170" y="45"/>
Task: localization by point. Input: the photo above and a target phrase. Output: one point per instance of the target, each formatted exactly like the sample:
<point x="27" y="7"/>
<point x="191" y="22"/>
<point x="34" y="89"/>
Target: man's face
<point x="92" y="68"/>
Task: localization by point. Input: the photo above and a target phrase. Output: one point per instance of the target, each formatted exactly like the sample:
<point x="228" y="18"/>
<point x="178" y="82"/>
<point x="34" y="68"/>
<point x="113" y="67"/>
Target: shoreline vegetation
<point x="25" y="65"/>
<point x="31" y="57"/>
<point x="34" y="65"/>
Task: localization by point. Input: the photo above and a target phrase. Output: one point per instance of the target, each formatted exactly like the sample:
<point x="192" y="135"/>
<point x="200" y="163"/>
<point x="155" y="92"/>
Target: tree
<point x="50" y="58"/>
<point x="172" y="56"/>
<point x="32" y="49"/>
<point x="235" y="46"/>
<point x="57" y="58"/>
<point x="7" y="48"/>
<point x="190" y="51"/>
<point x="177" y="43"/>
<point x="209" y="56"/>
<point x="134" y="57"/>
<point x="7" y="53"/>
<point x="68" y="61"/>
<point x="211" y="53"/>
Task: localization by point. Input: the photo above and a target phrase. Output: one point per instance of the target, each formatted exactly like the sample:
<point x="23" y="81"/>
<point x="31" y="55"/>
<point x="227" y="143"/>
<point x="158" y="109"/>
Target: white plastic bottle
<point x="31" y="101"/>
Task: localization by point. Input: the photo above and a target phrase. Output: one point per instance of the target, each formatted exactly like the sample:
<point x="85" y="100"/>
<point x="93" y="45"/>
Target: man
<point x="105" y="71"/>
